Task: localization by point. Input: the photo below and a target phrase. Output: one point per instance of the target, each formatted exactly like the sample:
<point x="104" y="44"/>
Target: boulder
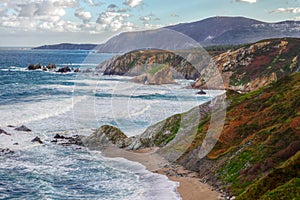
<point x="201" y="92"/>
<point x="37" y="139"/>
<point x="34" y="67"/>
<point x="51" y="66"/>
<point x="4" y="132"/>
<point x="64" y="69"/>
<point x="105" y="136"/>
<point x="22" y="128"/>
<point x="77" y="70"/>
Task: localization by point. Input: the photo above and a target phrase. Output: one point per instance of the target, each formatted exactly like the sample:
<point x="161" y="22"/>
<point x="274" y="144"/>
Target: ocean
<point x="79" y="103"/>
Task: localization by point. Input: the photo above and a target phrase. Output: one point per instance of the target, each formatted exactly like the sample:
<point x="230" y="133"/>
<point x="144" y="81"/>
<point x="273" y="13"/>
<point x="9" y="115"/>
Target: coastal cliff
<point x="142" y="61"/>
<point x="253" y="66"/>
<point x="258" y="144"/>
<point x="257" y="153"/>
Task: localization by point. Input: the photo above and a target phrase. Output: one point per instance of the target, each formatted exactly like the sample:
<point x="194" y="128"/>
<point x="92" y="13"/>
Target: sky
<point x="38" y="22"/>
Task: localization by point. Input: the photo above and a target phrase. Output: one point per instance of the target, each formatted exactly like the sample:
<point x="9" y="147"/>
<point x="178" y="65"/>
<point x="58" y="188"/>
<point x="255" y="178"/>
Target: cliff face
<point x="256" y="153"/>
<point x="139" y="62"/>
<point x="253" y="66"/>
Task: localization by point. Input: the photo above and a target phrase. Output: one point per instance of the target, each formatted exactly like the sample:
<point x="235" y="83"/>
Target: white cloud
<point x="297" y="18"/>
<point x="114" y="21"/>
<point x="133" y="3"/>
<point x="145" y="18"/>
<point x="247" y="1"/>
<point x="286" y="10"/>
<point x="83" y="15"/>
<point x="94" y="3"/>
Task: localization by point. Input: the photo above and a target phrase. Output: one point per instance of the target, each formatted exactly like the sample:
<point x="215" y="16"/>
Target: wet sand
<point x="190" y="187"/>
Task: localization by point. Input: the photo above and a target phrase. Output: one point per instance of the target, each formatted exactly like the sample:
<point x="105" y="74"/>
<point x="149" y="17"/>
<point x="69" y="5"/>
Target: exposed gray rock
<point x="37" y="139"/>
<point x="106" y="135"/>
<point x="22" y="128"/>
<point x="4" y="132"/>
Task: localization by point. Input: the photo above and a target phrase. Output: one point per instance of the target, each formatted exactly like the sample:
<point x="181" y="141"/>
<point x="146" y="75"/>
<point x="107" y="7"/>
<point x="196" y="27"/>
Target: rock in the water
<point x="5" y="151"/>
<point x="22" y="128"/>
<point x="34" y="67"/>
<point x="51" y="66"/>
<point x="37" y="139"/>
<point x="64" y="69"/>
<point x="57" y="136"/>
<point x="77" y="70"/>
<point x="201" y="92"/>
<point x="4" y="132"/>
<point x="106" y="135"/>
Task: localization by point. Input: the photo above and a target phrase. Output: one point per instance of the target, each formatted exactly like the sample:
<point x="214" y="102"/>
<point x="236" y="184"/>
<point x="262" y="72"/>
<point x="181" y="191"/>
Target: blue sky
<point x="37" y="22"/>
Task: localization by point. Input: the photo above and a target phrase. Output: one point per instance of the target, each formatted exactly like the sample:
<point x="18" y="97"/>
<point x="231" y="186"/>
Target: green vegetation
<point x="168" y="131"/>
<point x="156" y="69"/>
<point x="261" y="133"/>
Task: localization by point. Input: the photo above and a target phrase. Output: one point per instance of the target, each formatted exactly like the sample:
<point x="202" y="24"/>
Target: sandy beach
<point x="190" y="187"/>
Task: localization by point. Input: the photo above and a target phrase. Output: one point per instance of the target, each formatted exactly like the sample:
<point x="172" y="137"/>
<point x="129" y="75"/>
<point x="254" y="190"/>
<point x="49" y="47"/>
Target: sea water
<point x="78" y="103"/>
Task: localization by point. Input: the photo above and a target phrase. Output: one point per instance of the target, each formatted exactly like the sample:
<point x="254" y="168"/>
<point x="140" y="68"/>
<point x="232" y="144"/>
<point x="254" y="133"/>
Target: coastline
<point x="190" y="187"/>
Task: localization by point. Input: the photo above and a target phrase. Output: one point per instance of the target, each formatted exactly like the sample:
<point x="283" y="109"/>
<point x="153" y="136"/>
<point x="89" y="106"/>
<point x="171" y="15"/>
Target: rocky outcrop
<point x="64" y="69"/>
<point x="136" y="63"/>
<point x="34" y="67"/>
<point x="105" y="136"/>
<point x="252" y="66"/>
<point x="37" y="139"/>
<point x="162" y="75"/>
<point x="23" y="128"/>
<point x="4" y="132"/>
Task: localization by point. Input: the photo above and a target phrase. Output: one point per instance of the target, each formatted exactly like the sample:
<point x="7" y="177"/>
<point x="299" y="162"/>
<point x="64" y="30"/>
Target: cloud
<point x="286" y="10"/>
<point x="145" y="18"/>
<point x="297" y="18"/>
<point x="114" y="21"/>
<point x="246" y="1"/>
<point x="94" y="3"/>
<point x="83" y="15"/>
<point x="174" y="15"/>
<point x="133" y="3"/>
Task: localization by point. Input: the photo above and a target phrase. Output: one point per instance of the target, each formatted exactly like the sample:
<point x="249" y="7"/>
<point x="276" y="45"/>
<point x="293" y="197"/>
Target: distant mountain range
<point x="68" y="46"/>
<point x="207" y="32"/>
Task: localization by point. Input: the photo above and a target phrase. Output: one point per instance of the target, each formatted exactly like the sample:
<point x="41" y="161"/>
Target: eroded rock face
<point x="163" y="76"/>
<point x="252" y="66"/>
<point x="106" y="135"/>
<point x="136" y="63"/>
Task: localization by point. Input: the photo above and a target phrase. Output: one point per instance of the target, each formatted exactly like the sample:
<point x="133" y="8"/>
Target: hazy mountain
<point x="207" y="32"/>
<point x="68" y="46"/>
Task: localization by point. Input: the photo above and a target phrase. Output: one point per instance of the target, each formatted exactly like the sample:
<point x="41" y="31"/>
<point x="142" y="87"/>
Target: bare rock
<point x="22" y="128"/>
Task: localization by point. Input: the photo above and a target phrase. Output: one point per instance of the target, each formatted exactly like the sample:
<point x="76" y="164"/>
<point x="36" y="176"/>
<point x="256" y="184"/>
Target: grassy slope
<point x="261" y="132"/>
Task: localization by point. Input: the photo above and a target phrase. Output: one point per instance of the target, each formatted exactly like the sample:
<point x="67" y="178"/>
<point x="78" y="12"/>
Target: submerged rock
<point x="105" y="136"/>
<point x="22" y="128"/>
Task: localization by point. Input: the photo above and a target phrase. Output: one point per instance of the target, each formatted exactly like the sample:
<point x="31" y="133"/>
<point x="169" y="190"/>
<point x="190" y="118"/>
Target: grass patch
<point x="156" y="69"/>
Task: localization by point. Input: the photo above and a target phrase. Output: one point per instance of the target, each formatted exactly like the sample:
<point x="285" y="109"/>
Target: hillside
<point x="243" y="67"/>
<point x="139" y="62"/>
<point x="254" y="65"/>
<point x="207" y="32"/>
<point x="255" y="155"/>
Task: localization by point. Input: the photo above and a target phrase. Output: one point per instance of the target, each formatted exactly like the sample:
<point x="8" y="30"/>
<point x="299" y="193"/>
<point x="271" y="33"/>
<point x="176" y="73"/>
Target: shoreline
<point x="190" y="187"/>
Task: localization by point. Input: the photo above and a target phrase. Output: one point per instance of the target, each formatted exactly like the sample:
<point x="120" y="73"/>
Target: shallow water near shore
<point x="50" y="103"/>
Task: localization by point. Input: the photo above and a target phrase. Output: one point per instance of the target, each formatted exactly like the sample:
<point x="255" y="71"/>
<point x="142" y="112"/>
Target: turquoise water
<point x="50" y="103"/>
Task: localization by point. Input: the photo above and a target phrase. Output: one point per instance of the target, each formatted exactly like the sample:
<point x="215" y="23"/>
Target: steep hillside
<point x="256" y="154"/>
<point x="139" y="62"/>
<point x="207" y="32"/>
<point x="254" y="65"/>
